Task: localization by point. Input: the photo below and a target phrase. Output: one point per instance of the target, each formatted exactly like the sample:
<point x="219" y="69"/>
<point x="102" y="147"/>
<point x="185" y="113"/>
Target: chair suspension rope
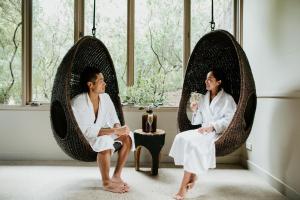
<point x="94" y="28"/>
<point x="212" y="23"/>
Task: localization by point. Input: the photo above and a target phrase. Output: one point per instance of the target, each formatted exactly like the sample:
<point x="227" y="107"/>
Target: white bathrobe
<point x="84" y="113"/>
<point x="195" y="151"/>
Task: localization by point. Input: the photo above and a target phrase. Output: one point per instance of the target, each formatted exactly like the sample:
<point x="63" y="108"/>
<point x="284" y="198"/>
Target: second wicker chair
<point x="220" y="49"/>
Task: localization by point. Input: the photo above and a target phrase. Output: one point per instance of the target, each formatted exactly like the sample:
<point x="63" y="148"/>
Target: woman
<point x="195" y="149"/>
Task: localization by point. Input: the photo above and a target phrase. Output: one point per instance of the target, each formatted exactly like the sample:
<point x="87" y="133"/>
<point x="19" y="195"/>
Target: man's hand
<point x="204" y="130"/>
<point x="124" y="130"/>
<point x="194" y="106"/>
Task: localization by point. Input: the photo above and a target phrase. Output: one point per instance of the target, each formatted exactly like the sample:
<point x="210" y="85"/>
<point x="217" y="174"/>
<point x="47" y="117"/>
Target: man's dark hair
<point x="89" y="74"/>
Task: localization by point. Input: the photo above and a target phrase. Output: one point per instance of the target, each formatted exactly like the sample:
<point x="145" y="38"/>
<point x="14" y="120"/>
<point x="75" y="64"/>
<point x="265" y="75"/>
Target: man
<point x="99" y="123"/>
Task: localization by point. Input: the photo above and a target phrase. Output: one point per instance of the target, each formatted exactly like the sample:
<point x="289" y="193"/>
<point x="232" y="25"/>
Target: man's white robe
<point x="90" y="126"/>
<point x="195" y="151"/>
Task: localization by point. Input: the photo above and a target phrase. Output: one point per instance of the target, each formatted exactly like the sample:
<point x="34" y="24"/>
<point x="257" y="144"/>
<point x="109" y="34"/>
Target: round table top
<point x="158" y="132"/>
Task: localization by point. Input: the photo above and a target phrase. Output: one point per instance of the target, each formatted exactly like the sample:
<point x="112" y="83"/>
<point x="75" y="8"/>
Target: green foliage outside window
<point x="158" y="35"/>
<point x="10" y="51"/>
<point x="158" y="52"/>
<point x="52" y="37"/>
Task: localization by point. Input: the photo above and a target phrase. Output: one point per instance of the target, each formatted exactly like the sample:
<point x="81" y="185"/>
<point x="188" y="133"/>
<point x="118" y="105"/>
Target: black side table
<point x="153" y="142"/>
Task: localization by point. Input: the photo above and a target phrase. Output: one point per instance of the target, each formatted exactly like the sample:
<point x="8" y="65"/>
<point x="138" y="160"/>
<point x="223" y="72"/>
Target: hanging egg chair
<point x="219" y="49"/>
<point x="87" y="52"/>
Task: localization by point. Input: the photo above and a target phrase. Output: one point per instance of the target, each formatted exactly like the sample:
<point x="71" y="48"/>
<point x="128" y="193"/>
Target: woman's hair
<point x="219" y="75"/>
<point x="89" y="74"/>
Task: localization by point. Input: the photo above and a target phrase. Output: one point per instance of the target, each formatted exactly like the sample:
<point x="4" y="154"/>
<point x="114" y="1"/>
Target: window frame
<point x="79" y="32"/>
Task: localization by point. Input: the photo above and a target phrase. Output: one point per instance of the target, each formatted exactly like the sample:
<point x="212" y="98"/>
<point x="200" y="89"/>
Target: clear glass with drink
<point x="195" y="100"/>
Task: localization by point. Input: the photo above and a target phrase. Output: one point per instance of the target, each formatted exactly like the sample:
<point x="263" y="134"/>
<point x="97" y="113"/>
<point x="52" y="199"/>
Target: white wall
<point x="271" y="42"/>
<point x="25" y="134"/>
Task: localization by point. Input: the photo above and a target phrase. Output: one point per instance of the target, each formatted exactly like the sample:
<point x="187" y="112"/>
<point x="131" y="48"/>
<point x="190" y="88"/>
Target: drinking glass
<point x="150" y="121"/>
<point x="195" y="97"/>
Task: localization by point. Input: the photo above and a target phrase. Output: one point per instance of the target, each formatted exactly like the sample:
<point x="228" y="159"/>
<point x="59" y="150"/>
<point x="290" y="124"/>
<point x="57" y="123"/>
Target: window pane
<point x="52" y="37"/>
<point x="158" y="52"/>
<point x="201" y="16"/>
<point x="10" y="52"/>
<point x="111" y="29"/>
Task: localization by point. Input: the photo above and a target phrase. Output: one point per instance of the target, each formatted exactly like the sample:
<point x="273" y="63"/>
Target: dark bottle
<point x="149" y="121"/>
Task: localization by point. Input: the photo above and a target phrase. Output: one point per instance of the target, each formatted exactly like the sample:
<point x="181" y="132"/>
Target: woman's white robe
<point x="84" y="113"/>
<point x="195" y="151"/>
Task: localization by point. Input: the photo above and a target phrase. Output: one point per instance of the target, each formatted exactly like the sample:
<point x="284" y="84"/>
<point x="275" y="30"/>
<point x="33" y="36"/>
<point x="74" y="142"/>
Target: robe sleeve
<point x="113" y="117"/>
<point x="87" y="127"/>
<point x="229" y="109"/>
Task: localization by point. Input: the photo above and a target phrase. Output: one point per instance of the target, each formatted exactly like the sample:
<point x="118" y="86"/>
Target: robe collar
<point x="91" y="107"/>
<point x="215" y="100"/>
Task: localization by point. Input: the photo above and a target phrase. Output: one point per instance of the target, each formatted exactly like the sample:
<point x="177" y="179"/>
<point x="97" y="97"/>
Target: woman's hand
<point x="194" y="106"/>
<point x="204" y="130"/>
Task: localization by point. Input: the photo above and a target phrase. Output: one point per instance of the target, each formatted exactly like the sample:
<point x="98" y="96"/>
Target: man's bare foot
<point x="114" y="187"/>
<point x="118" y="180"/>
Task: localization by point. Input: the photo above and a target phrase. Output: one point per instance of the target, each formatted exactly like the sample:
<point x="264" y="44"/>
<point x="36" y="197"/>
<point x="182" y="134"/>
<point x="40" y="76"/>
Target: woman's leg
<point x="183" y="146"/>
<point x="191" y="184"/>
<point x="184" y="184"/>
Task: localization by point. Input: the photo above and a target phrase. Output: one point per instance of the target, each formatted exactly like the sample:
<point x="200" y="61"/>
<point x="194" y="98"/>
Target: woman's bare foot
<point x="114" y="187"/>
<point x="119" y="180"/>
<point x="178" y="197"/>
<point x="180" y="194"/>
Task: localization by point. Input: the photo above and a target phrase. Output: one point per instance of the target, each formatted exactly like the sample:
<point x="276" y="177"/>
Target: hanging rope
<point x="212" y="23"/>
<point x="94" y="28"/>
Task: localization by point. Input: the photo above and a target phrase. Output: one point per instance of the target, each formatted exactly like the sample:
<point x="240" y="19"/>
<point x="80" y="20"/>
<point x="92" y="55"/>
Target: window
<point x="111" y="29"/>
<point x="153" y="35"/>
<point x="52" y="37"/>
<point x="158" y="52"/>
<point x="10" y="52"/>
<point x="201" y="16"/>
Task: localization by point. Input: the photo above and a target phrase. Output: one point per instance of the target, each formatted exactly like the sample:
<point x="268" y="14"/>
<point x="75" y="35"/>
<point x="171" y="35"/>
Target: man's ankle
<point x="106" y="182"/>
<point x="116" y="176"/>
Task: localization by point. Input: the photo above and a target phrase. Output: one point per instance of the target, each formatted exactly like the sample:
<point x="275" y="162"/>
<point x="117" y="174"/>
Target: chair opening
<point x="59" y="121"/>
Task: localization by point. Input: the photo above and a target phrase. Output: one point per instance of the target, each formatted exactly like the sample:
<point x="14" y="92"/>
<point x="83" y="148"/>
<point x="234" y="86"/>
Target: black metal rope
<point x="94" y="28"/>
<point x="212" y="23"/>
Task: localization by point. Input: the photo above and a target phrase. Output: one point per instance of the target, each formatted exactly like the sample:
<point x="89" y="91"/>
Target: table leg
<point x="137" y="155"/>
<point x="155" y="163"/>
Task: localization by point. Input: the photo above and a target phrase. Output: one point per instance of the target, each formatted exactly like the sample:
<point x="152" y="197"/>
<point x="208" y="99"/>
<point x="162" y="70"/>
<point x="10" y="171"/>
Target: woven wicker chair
<point x="220" y="49"/>
<point x="87" y="52"/>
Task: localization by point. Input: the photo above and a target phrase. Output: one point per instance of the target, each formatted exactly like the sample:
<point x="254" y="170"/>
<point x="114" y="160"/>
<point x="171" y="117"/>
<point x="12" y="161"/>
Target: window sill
<point x="132" y="108"/>
<point x="46" y="107"/>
